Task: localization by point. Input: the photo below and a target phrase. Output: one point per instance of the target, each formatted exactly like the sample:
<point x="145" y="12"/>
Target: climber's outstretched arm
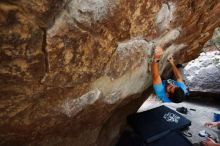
<point x="155" y="65"/>
<point x="176" y="71"/>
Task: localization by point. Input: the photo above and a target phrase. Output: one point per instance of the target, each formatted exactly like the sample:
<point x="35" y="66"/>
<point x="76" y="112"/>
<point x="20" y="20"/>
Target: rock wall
<point x="72" y="70"/>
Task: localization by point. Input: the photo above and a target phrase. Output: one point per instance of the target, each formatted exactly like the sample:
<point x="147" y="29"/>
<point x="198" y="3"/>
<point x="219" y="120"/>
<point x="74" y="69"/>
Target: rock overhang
<point x="80" y="65"/>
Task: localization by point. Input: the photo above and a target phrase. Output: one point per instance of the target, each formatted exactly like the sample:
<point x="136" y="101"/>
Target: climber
<point x="167" y="90"/>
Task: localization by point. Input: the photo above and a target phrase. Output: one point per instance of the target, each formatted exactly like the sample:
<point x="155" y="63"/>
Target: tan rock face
<point x="71" y="71"/>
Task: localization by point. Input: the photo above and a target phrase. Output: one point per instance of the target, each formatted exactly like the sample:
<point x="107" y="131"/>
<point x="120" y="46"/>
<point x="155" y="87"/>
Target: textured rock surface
<point x="203" y="73"/>
<point x="71" y="71"/>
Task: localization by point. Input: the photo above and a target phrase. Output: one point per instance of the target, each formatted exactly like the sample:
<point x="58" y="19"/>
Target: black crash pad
<point x="171" y="139"/>
<point x="156" y="123"/>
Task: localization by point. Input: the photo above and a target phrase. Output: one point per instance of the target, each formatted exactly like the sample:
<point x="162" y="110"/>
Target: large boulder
<point x="203" y="73"/>
<point x="72" y="70"/>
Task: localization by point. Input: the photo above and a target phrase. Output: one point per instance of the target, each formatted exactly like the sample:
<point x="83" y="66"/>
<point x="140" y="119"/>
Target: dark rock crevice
<point x="45" y="53"/>
<point x="117" y="122"/>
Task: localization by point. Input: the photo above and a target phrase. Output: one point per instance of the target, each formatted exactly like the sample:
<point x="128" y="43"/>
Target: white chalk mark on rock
<point x="165" y="16"/>
<point x="168" y="37"/>
<point x="71" y="107"/>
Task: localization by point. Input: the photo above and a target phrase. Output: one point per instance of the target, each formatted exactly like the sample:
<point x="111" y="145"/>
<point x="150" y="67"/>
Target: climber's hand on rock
<point x="158" y="52"/>
<point x="170" y="58"/>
